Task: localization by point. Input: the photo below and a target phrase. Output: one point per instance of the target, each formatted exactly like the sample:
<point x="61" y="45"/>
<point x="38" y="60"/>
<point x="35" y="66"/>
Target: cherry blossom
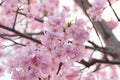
<point x="42" y="40"/>
<point x="95" y="12"/>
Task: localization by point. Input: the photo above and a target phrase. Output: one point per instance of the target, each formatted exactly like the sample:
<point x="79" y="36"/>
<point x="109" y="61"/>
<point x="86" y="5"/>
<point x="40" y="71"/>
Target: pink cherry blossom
<point x="62" y="41"/>
<point x="95" y="12"/>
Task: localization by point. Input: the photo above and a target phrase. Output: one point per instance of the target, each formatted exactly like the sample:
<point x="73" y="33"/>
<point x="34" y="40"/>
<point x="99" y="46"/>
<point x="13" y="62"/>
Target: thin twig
<point x="94" y="61"/>
<point x="37" y="19"/>
<point x="113" y="10"/>
<point x="59" y="68"/>
<point x="15" y="43"/>
<point x="29" y="34"/>
<point x="15" y="18"/>
<point x="104" y="50"/>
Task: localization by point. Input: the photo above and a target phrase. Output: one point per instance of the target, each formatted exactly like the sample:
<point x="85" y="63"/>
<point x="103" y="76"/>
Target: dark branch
<point x="95" y="45"/>
<point x="1" y="3"/>
<point x="104" y="50"/>
<point x="15" y="18"/>
<point x="113" y="10"/>
<point x="20" y="34"/>
<point x="29" y="34"/>
<point x="59" y="68"/>
<point x="94" y="61"/>
<point x="14" y="42"/>
<point x="37" y="19"/>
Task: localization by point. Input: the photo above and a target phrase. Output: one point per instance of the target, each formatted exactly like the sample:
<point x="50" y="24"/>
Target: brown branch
<point x="14" y="42"/>
<point x="29" y="34"/>
<point x="37" y="19"/>
<point x="106" y="51"/>
<point x="59" y="68"/>
<point x="102" y="49"/>
<point x="15" y="18"/>
<point x="20" y="34"/>
<point x="94" y="61"/>
<point x="95" y="45"/>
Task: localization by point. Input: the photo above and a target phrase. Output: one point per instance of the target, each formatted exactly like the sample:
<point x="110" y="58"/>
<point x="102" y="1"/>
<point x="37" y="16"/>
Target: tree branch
<point x="113" y="10"/>
<point x="102" y="49"/>
<point x="37" y="19"/>
<point x="14" y="42"/>
<point x="15" y="18"/>
<point x="59" y="68"/>
<point x="94" y="61"/>
<point x="29" y="34"/>
<point x="20" y="34"/>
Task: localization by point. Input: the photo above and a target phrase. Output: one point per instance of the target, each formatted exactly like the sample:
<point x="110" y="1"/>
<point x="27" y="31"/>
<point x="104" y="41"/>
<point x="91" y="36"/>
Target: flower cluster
<point x="31" y="9"/>
<point x="62" y="45"/>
